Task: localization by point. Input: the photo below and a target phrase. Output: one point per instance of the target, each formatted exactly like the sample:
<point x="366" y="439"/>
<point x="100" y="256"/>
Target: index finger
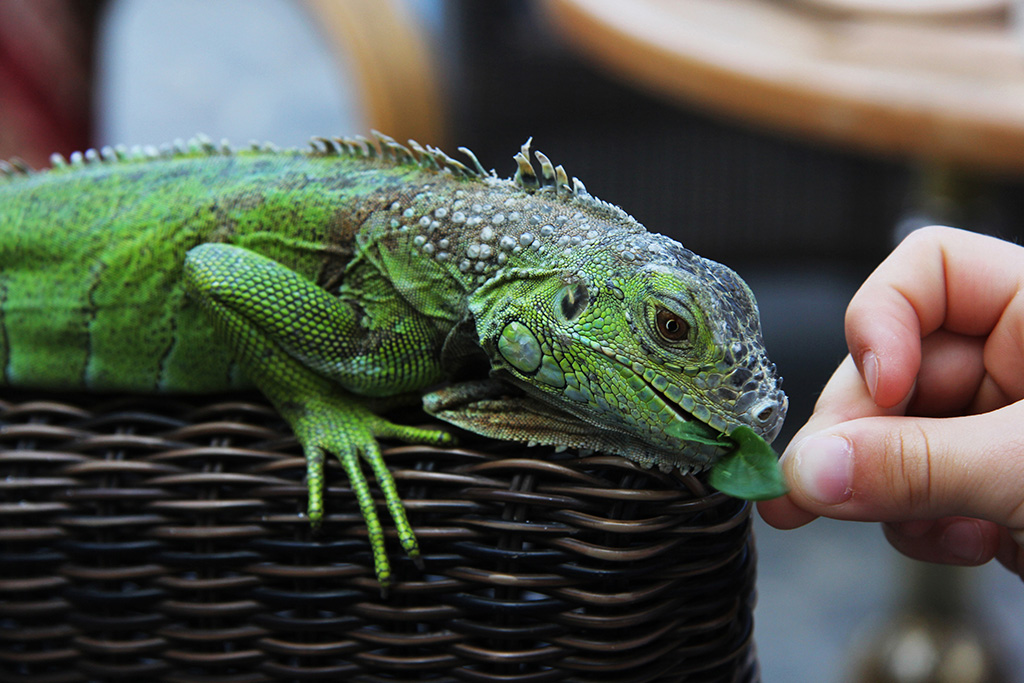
<point x="936" y="278"/>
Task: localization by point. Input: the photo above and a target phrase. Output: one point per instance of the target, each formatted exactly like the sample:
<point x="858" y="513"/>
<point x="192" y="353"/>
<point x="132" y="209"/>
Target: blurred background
<point x="794" y="141"/>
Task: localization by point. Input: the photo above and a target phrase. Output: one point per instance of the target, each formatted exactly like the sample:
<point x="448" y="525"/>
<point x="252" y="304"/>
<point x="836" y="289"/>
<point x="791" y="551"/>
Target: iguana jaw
<point x="516" y="411"/>
<point x="688" y="410"/>
<point x="774" y="404"/>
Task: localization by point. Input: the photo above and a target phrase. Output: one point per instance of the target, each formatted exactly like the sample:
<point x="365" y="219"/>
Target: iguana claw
<point x="339" y="427"/>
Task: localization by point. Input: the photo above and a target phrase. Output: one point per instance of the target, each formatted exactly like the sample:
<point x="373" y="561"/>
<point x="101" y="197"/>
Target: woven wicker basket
<point x="165" y="541"/>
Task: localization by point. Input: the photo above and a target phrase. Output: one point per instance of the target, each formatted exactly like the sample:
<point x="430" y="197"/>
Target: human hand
<point x="922" y="426"/>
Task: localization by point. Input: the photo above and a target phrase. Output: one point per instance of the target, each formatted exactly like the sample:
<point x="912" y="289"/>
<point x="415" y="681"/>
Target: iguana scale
<point x="365" y="269"/>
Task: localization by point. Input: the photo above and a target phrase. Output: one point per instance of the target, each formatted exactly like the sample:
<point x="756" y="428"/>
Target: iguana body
<point x="368" y="270"/>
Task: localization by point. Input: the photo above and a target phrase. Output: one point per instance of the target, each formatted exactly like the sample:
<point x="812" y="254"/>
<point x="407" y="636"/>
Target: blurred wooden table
<point x="940" y="81"/>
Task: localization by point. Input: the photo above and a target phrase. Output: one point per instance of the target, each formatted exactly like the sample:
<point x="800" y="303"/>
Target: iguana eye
<point x="573" y="300"/>
<point x="670" y="326"/>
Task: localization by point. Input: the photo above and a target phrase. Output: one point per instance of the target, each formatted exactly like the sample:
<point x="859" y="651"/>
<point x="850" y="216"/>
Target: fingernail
<point x="963" y="539"/>
<point x="869" y="362"/>
<point x="823" y="466"/>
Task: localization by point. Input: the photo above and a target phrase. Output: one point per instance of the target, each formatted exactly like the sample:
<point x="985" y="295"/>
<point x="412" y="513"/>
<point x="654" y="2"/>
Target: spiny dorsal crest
<point x="555" y="177"/>
<point x="198" y="145"/>
<point x="386" y="148"/>
<point x="550" y="178"/>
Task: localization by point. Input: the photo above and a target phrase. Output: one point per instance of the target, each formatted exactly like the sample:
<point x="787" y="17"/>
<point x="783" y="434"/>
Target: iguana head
<point x="632" y="345"/>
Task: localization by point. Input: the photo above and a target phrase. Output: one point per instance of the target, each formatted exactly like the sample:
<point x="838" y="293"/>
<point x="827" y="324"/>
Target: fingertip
<point x="890" y="374"/>
<point x="783" y="513"/>
<point x="819" y="469"/>
<point x="953" y="540"/>
<point x="969" y="541"/>
<point x="883" y="333"/>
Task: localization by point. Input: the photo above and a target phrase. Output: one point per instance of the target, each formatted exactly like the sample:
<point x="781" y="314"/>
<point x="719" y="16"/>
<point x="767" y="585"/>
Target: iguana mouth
<point x="700" y="441"/>
<point x="766" y="412"/>
<point x="693" y="413"/>
<point x="511" y="410"/>
<point x="714" y="422"/>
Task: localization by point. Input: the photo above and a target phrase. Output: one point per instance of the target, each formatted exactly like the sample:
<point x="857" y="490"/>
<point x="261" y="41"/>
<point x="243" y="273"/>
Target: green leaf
<point x="696" y="432"/>
<point x="750" y="472"/>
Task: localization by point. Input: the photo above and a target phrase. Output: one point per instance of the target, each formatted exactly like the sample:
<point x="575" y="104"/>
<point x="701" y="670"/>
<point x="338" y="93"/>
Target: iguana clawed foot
<point x="337" y="425"/>
<point x="271" y="322"/>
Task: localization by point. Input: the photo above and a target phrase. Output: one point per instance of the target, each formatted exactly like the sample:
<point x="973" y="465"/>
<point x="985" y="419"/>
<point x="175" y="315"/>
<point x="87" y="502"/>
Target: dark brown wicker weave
<point x="146" y="541"/>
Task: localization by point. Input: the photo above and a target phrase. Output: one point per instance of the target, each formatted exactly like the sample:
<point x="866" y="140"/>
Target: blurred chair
<point x="393" y="64"/>
<point x="936" y="81"/>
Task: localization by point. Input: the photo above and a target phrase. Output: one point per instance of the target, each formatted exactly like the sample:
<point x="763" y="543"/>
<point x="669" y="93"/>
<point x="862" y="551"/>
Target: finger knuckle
<point x="910" y="464"/>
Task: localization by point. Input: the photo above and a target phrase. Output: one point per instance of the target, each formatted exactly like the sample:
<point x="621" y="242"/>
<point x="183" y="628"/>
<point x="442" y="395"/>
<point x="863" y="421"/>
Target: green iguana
<point x="364" y="269"/>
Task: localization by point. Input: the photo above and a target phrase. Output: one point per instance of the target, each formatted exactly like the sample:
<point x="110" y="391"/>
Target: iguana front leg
<point x="289" y="336"/>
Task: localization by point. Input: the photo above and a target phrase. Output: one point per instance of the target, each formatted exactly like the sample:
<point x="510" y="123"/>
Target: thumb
<point x="888" y="469"/>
